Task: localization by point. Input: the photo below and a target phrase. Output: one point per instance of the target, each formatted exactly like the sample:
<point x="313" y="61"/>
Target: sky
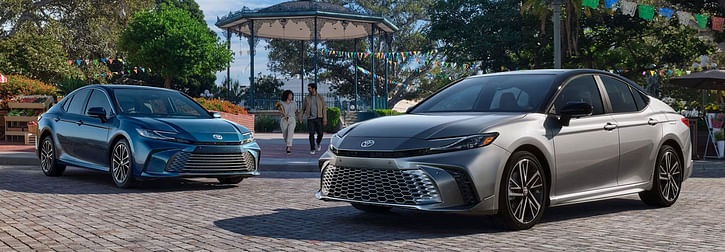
<point x="218" y="8"/>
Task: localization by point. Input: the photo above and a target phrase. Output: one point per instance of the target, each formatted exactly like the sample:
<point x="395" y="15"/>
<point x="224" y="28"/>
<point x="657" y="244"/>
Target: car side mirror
<point x="215" y="114"/>
<point x="574" y="110"/>
<point x="98" y="112"/>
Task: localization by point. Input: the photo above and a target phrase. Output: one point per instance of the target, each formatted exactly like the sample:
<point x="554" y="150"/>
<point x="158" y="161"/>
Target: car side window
<point x="619" y="95"/>
<point x="640" y="99"/>
<point x="78" y="102"/>
<point x="580" y="89"/>
<point x="99" y="99"/>
<point x="67" y="102"/>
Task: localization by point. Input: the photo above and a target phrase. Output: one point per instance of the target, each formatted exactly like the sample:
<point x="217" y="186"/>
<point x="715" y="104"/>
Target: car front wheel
<point x="524" y="192"/>
<point x="122" y="165"/>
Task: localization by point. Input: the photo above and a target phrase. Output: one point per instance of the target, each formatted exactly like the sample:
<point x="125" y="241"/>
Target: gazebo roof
<point x="295" y="20"/>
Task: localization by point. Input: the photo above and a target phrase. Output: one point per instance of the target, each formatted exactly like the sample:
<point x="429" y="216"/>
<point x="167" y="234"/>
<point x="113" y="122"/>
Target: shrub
<point x="69" y="84"/>
<point x="333" y="119"/>
<point x="301" y="127"/>
<point x="719" y="136"/>
<point x="20" y="85"/>
<point x="386" y="112"/>
<point x="221" y="105"/>
<point x="265" y="124"/>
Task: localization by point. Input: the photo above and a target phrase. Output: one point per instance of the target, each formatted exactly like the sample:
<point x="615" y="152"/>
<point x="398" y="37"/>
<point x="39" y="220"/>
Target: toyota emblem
<point x="217" y="137"/>
<point x="367" y="143"/>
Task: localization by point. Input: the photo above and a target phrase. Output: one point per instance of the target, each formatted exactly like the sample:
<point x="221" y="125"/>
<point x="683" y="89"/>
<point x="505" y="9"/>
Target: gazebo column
<point x="302" y="71"/>
<point x="228" y="85"/>
<point x="372" y="65"/>
<point x="354" y="59"/>
<point x="387" y="49"/>
<point x="316" y="51"/>
<point x="252" y="44"/>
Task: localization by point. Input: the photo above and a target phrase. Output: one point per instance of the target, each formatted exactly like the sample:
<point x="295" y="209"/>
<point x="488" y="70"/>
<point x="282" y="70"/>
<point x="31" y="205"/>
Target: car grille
<point x="406" y="187"/>
<point x="212" y="162"/>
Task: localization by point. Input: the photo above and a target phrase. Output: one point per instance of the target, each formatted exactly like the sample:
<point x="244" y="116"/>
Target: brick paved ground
<point x="84" y="211"/>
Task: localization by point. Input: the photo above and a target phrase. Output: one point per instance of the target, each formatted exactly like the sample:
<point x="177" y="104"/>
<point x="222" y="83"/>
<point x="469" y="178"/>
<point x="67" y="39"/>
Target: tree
<point x="170" y="42"/>
<point x="266" y="85"/>
<point x="36" y="56"/>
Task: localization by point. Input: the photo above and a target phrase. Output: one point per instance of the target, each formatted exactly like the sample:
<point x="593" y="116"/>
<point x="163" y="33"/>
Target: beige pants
<point x="288" y="130"/>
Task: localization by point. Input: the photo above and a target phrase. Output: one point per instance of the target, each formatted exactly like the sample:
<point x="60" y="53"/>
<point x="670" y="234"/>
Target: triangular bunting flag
<point x="590" y="3"/>
<point x="717" y="23"/>
<point x="3" y="79"/>
<point x="79" y="62"/>
<point x="95" y="61"/>
<point x="110" y="60"/>
<point x="610" y="3"/>
<point x="701" y="20"/>
<point x="104" y="61"/>
<point x="629" y="8"/>
<point x="666" y="12"/>
<point x="684" y="17"/>
<point x="646" y="12"/>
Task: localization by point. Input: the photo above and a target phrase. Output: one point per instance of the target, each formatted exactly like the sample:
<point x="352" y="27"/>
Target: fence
<point x="267" y="102"/>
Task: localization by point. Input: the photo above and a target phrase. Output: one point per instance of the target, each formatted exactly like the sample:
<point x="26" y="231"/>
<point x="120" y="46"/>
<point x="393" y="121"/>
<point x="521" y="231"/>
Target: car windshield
<point x="157" y="103"/>
<point x="500" y="93"/>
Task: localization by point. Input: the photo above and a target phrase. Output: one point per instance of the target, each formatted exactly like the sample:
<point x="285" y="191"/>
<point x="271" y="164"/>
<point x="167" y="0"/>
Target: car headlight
<point x="156" y="134"/>
<point x="248" y="137"/>
<point x="468" y="142"/>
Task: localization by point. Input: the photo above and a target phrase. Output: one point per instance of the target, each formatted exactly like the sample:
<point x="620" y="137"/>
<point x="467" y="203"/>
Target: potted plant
<point x="720" y="140"/>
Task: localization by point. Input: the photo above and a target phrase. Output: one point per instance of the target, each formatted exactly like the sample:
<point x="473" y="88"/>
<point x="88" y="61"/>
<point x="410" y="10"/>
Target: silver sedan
<point x="513" y="144"/>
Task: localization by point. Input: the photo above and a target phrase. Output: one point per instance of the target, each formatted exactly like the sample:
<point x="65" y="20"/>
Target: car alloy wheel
<point x="670" y="176"/>
<point x="47" y="157"/>
<point x="524" y="192"/>
<point x="121" y="165"/>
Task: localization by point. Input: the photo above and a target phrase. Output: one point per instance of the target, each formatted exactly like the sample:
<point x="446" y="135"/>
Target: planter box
<point x="20" y="118"/>
<point x="27" y="105"/>
<point x="244" y="120"/>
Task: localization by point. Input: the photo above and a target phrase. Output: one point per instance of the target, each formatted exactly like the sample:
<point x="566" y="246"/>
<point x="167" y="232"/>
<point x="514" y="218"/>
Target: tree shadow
<point x="30" y="179"/>
<point x="346" y="224"/>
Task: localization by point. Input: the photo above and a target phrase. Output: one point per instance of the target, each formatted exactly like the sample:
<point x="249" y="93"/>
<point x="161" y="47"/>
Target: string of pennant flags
<point x="108" y="61"/>
<point x="647" y="12"/>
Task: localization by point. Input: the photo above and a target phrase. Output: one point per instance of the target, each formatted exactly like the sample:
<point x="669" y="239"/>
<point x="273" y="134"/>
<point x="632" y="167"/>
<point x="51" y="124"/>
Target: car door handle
<point x="80" y="122"/>
<point x="57" y="119"/>
<point x="652" y="121"/>
<point x="610" y="126"/>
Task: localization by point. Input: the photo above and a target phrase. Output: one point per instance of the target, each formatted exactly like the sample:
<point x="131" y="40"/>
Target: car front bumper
<point x="170" y="159"/>
<point x="459" y="181"/>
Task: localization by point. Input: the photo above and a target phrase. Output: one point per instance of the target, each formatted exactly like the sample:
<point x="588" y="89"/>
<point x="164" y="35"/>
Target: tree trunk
<point x="167" y="82"/>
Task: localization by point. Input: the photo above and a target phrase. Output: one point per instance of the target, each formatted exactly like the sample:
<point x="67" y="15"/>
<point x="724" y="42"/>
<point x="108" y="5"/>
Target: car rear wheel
<point x="230" y="180"/>
<point x="122" y="165"/>
<point x="48" y="160"/>
<point x="524" y="192"/>
<point x="370" y="208"/>
<point x="666" y="181"/>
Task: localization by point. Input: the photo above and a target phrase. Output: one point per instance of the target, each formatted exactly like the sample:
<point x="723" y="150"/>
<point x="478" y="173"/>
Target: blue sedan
<point x="137" y="133"/>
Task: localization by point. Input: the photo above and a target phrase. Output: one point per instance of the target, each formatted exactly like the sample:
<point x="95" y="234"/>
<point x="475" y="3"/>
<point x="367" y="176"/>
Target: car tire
<point x="48" y="158"/>
<point x="666" y="179"/>
<point x="121" y="165"/>
<point x="230" y="180"/>
<point x="370" y="208"/>
<point x="522" y="199"/>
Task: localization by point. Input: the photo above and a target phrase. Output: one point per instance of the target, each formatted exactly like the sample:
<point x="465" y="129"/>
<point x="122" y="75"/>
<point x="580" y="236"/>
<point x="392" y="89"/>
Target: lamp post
<point x="556" y="19"/>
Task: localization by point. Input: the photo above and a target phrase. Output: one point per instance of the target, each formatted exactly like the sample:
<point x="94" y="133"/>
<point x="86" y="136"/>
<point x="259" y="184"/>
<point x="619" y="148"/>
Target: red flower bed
<point x="20" y="85"/>
<point x="221" y="106"/>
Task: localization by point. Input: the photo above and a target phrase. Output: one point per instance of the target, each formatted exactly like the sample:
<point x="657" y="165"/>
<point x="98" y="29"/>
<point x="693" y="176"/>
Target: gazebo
<point x="304" y="21"/>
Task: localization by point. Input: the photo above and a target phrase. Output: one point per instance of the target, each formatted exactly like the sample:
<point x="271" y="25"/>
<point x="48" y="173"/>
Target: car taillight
<point x="686" y="121"/>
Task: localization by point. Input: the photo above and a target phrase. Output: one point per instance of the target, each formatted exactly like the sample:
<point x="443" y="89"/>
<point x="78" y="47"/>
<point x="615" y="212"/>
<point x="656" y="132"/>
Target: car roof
<point x="109" y="87"/>
<point x="563" y="74"/>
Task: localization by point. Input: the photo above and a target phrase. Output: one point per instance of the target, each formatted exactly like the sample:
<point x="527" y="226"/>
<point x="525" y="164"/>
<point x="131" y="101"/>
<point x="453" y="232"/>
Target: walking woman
<point x="288" y="110"/>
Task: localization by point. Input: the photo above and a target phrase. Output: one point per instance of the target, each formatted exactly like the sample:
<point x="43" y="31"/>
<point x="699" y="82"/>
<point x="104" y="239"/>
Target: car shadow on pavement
<point x="346" y="224"/>
<point x="30" y="179"/>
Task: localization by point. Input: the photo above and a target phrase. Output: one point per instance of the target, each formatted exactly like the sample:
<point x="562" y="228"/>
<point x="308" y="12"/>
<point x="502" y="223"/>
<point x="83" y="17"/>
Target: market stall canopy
<point x="295" y="20"/>
<point x="710" y="79"/>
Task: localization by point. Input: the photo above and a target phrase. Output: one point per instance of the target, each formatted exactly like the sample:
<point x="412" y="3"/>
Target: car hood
<point x="201" y="130"/>
<point x="414" y="131"/>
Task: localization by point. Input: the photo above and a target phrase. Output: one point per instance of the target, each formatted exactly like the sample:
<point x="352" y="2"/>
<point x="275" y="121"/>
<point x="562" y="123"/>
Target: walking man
<point x="313" y="108"/>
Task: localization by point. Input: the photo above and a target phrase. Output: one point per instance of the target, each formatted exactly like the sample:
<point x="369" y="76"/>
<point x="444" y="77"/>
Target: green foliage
<point x="301" y="127"/>
<point x="69" y="84"/>
<point x="386" y="112"/>
<point x="21" y="85"/>
<point x="265" y="124"/>
<point x="333" y="119"/>
<point x="267" y="85"/>
<point x="172" y="43"/>
<point x="719" y="136"/>
<point x="36" y="56"/>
